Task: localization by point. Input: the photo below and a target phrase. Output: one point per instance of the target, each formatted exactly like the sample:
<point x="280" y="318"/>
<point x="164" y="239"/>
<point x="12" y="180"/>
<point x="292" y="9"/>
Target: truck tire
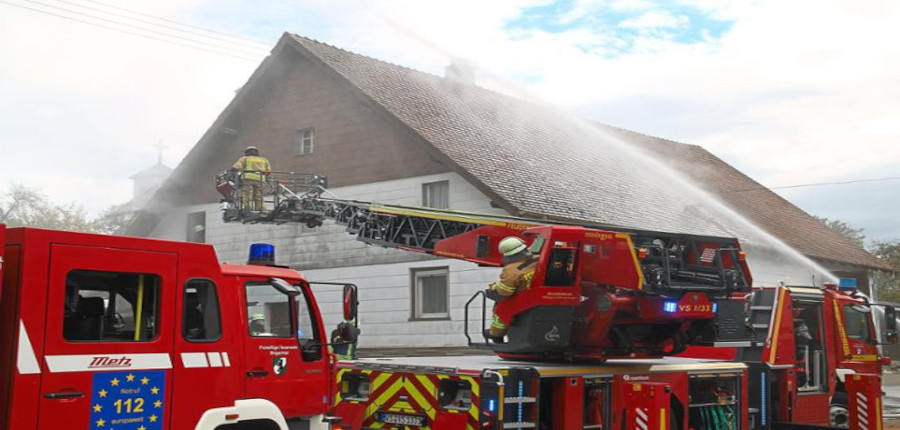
<point x="839" y="412"/>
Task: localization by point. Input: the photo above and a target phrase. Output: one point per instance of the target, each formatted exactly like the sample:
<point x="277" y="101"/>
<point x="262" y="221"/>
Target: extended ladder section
<point x="669" y="261"/>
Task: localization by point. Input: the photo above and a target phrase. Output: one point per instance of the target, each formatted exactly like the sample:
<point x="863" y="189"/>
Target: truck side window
<point x="201" y="321"/>
<point x="306" y="326"/>
<point x="111" y="306"/>
<point x="268" y="311"/>
<point x="856" y="318"/>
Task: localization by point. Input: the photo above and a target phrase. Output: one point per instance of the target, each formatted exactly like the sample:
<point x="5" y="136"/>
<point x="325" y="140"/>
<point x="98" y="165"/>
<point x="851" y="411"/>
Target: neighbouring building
<point x="383" y="132"/>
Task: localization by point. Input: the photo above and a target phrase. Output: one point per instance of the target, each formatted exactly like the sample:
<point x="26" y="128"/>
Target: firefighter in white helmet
<point x="518" y="270"/>
<point x="254" y="168"/>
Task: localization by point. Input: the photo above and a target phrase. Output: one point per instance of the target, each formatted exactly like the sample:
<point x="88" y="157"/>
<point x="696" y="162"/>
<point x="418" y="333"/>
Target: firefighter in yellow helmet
<point x="518" y="270"/>
<point x="254" y="168"/>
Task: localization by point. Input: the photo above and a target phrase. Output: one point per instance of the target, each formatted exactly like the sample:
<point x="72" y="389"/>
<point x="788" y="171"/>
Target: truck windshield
<point x="858" y="322"/>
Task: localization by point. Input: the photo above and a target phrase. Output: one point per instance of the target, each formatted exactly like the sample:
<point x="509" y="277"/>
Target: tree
<point x="887" y="282"/>
<point x="844" y="229"/>
<point x="114" y="220"/>
<point x="23" y="206"/>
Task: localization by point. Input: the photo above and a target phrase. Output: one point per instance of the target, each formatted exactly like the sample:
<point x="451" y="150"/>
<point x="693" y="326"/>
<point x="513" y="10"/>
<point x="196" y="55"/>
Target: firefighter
<point x="518" y="270"/>
<point x="258" y="325"/>
<point x="254" y="169"/>
<point x="343" y="349"/>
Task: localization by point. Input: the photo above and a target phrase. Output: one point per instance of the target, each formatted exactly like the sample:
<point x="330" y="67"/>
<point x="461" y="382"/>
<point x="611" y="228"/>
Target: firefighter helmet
<point x="251" y="149"/>
<point x="511" y="246"/>
<point x="257" y="317"/>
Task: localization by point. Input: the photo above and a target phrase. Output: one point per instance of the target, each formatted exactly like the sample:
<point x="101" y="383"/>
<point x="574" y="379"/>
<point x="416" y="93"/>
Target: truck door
<point x="285" y="360"/>
<point x="108" y="339"/>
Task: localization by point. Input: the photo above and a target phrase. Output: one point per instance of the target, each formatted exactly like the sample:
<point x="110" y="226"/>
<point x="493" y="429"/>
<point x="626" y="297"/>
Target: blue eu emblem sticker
<point x="128" y="400"/>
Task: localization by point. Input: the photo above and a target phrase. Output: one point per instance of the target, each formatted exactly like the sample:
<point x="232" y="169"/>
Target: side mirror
<point x="890" y="325"/>
<point x="310" y="351"/>
<point x="350" y="302"/>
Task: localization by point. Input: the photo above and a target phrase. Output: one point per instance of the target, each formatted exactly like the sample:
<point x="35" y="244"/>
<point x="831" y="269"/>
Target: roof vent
<point x="460" y="71"/>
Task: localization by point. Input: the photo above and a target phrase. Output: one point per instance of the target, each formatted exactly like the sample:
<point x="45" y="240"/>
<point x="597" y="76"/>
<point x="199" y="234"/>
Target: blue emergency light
<point x="848" y="284"/>
<point x="262" y="254"/>
<point x="670" y="307"/>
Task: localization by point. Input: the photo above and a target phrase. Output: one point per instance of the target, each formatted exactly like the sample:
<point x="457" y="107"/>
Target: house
<point x="386" y="133"/>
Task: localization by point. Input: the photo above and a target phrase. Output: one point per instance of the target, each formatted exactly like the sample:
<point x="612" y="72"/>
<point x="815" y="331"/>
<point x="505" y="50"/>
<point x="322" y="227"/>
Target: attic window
<point x="304" y="141"/>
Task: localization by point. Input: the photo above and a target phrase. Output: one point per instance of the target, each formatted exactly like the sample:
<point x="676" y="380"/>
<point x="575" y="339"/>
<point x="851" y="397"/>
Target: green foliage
<point x="887" y="283"/>
<point x="23" y="206"/>
<point x="114" y="220"/>
<point x="844" y="229"/>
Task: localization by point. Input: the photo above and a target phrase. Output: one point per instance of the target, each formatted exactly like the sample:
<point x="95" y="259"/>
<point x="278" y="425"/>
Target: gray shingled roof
<point x="546" y="163"/>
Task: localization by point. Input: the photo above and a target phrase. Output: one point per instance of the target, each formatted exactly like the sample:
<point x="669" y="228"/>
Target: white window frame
<point x="192" y="234"/>
<point x="304" y="138"/>
<point x="427" y="194"/>
<point x="416" y="275"/>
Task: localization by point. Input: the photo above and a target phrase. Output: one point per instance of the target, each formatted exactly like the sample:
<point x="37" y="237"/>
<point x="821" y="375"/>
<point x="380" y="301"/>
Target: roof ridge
<point x="399" y="66"/>
<point x="428" y="74"/>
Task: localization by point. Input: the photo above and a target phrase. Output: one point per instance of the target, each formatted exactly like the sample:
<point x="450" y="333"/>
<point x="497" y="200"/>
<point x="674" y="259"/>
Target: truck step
<point x="760" y="325"/>
<point x="760" y="308"/>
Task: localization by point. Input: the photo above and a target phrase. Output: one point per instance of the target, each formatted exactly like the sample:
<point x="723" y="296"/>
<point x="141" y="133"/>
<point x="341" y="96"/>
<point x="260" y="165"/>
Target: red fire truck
<point x="812" y="347"/>
<point x="101" y="332"/>
<point x="808" y="357"/>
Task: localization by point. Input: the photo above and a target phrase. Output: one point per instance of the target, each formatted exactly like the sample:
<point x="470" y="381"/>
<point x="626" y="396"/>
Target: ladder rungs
<point x="521" y="425"/>
<point x="519" y="400"/>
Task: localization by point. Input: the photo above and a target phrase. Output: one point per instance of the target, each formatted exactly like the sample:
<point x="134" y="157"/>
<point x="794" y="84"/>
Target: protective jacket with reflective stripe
<point x="253" y="162"/>
<point x="516" y="276"/>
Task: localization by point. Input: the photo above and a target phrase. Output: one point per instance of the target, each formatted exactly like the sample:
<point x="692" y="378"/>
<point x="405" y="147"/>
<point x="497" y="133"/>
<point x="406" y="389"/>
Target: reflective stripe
<point x="503" y="288"/>
<point x="26" y="362"/>
<point x="215" y="360"/>
<point x="496" y="323"/>
<point x="81" y="363"/>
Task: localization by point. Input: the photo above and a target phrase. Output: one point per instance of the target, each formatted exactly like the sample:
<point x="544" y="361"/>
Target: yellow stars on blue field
<point x="121" y="400"/>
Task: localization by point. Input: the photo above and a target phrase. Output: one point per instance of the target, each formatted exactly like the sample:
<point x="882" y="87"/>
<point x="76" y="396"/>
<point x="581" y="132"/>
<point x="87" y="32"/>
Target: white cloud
<point x="656" y="19"/>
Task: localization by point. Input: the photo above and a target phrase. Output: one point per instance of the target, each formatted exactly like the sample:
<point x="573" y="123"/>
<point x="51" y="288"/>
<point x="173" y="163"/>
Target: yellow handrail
<point x="140" y="308"/>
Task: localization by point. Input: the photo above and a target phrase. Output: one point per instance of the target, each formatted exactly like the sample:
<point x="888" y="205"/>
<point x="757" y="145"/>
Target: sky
<point x="791" y="93"/>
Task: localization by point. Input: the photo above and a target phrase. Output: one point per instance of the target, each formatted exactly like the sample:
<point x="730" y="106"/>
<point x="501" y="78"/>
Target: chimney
<point x="460" y="71"/>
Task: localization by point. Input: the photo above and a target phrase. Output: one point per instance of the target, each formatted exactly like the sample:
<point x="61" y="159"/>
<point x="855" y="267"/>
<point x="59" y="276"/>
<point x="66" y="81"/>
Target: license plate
<point x="401" y="419"/>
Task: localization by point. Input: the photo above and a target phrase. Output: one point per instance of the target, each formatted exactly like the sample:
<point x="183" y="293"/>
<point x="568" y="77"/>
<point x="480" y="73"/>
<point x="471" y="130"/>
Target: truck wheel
<point x="839" y="413"/>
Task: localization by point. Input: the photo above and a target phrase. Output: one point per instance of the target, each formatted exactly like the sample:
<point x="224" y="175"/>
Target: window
<point x="436" y="195"/>
<point x="111" y="306"/>
<point x="196" y="227"/>
<point x="430" y="293"/>
<point x="856" y="318"/>
<point x="304" y="141"/>
<point x="201" y="321"/>
<point x="268" y="310"/>
<point x="306" y="326"/>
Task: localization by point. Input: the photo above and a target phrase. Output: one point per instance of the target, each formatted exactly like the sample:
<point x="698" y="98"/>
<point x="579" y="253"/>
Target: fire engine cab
<point x="100" y="332"/>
